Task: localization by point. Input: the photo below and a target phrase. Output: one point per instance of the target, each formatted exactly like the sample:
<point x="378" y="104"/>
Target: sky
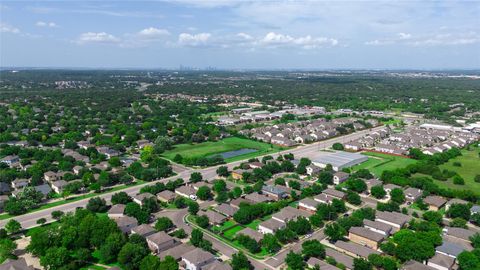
<point x="241" y="34"/>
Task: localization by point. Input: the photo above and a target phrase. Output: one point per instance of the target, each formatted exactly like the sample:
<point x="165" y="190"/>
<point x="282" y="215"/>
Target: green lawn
<point x="230" y="233"/>
<point x="377" y="163"/>
<point x="254" y="224"/>
<point x="470" y="167"/>
<point x="225" y="226"/>
<point x="206" y="149"/>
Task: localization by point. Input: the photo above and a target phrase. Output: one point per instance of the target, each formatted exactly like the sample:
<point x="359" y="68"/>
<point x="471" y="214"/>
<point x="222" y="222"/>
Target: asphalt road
<point x="310" y="151"/>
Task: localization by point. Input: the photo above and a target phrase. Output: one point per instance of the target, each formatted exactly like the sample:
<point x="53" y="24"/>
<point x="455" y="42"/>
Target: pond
<point x="235" y="153"/>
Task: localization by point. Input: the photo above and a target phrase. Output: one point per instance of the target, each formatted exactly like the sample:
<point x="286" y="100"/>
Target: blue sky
<point x="241" y="34"/>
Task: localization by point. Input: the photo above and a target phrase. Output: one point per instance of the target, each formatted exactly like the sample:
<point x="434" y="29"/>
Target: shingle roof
<point x="359" y="250"/>
<point x="459" y="232"/>
<point x="323" y="265"/>
<point x="334" y="193"/>
<point x="216" y="265"/>
<point x="377" y="225"/>
<point x="159" y="238"/>
<point x="396" y="218"/>
<point x="435" y="200"/>
<point x="176" y="252"/>
<point x="442" y="260"/>
<point x="272" y="224"/>
<point x="340" y="257"/>
<point x="197" y="256"/>
<point x="366" y="233"/>
<point x="117" y="209"/>
<point x="226" y="209"/>
<point x="450" y="248"/>
<point x="251" y="233"/>
<point x="143" y="230"/>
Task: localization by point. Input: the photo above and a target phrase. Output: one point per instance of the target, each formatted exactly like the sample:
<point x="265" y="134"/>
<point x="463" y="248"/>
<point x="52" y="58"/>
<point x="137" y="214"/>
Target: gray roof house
<point x="450" y="249"/>
<point x="126" y="223"/>
<point x="196" y="259"/>
<point x="143" y="230"/>
<point x="160" y="241"/>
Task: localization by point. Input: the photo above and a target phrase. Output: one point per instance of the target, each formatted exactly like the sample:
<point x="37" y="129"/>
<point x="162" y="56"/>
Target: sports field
<point x="207" y="149"/>
<point x="377" y="163"/>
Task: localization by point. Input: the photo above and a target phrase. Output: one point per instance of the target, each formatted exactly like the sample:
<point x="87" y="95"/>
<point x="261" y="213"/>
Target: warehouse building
<point x="339" y="160"/>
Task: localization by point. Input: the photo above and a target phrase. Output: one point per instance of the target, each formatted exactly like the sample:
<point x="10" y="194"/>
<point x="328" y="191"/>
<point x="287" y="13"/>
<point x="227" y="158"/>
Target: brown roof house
<point x="396" y="220"/>
<point x="251" y="233"/>
<point x="435" y="202"/>
<point x="19" y="264"/>
<point x="355" y="250"/>
<point x="308" y="204"/>
<point x="226" y="209"/>
<point x="196" y="259"/>
<point x="441" y="262"/>
<point x="270" y="226"/>
<point x="289" y="213"/>
<point x="142" y="196"/>
<point x="176" y="252"/>
<point x="166" y="196"/>
<point x="412" y="194"/>
<point x="312" y="262"/>
<point x="160" y="241"/>
<point x="213" y="217"/>
<point x="185" y="191"/>
<point x="365" y="237"/>
<point x="340" y="177"/>
<point x="143" y="230"/>
<point x="116" y="211"/>
<point x="126" y="223"/>
<point x="378" y="227"/>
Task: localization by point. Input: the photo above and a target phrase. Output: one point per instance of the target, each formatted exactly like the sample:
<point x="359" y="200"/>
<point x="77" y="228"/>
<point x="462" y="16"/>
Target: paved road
<point x="310" y="151"/>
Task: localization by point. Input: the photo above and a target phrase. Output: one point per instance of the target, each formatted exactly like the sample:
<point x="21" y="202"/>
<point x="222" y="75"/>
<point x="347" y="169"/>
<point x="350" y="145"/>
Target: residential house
<point x="142" y="196"/>
<point x="176" y="252"/>
<point x="323" y="198"/>
<point x="412" y="194"/>
<point x="378" y="227"/>
<point x="126" y="223"/>
<point x="441" y="262"/>
<point x="313" y="170"/>
<point x="275" y="191"/>
<point x="458" y="233"/>
<point x="166" y="196"/>
<point x="355" y="250"/>
<point x="340" y="177"/>
<point x="226" y="209"/>
<point x="185" y="191"/>
<point x="337" y="194"/>
<point x="59" y="185"/>
<point x="312" y="262"/>
<point x="19" y="264"/>
<point x="308" y="204"/>
<point x="451" y="249"/>
<point x="213" y="217"/>
<point x="257" y="198"/>
<point x="196" y="259"/>
<point x="160" y="241"/>
<point x="396" y="220"/>
<point x="236" y="202"/>
<point x="251" y="233"/>
<point x="414" y="265"/>
<point x="10" y="160"/>
<point x="116" y="211"/>
<point x="50" y="176"/>
<point x="454" y="201"/>
<point x="270" y="226"/>
<point x="340" y="257"/>
<point x="20" y="183"/>
<point x="143" y="230"/>
<point x="289" y="213"/>
<point x="365" y="237"/>
<point x="434" y="202"/>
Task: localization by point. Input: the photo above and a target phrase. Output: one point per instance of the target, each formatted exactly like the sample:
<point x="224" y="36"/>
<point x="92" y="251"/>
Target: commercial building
<point x="339" y="160"/>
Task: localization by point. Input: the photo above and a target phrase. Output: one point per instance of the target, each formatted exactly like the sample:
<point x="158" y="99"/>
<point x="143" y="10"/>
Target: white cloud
<point x="6" y="28"/>
<point x="438" y="39"/>
<point x="307" y="42"/>
<point x="153" y="33"/>
<point x="195" y="40"/>
<point x="46" y="24"/>
<point x="100" y="37"/>
<point x="244" y="36"/>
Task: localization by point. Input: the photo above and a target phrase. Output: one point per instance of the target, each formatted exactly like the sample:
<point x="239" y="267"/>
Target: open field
<point x="470" y="167"/>
<point x="206" y="149"/>
<point x="377" y="163"/>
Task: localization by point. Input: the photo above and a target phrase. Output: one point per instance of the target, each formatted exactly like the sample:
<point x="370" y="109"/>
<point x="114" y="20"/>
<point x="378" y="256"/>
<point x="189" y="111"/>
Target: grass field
<point x="206" y="149"/>
<point x="230" y="234"/>
<point x="470" y="167"/>
<point x="377" y="163"/>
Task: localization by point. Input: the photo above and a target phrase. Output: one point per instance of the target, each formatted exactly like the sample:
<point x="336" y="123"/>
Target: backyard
<point x="377" y="163"/>
<point x="208" y="149"/>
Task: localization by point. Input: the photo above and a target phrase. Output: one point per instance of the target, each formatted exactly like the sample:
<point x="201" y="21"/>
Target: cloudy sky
<point x="241" y="34"/>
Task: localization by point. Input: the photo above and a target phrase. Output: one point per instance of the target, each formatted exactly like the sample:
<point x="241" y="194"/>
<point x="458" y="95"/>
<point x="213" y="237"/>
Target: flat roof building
<point x="339" y="160"/>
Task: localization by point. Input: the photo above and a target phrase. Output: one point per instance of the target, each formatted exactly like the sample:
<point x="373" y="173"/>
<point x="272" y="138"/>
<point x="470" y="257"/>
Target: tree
<point x="134" y="210"/>
<point x="204" y="193"/>
<point x="270" y="243"/>
<point x="459" y="210"/>
<point x="97" y="205"/>
<point x="325" y="178"/>
<point x="356" y="185"/>
<point x="150" y="262"/>
<point x="361" y="264"/>
<point x="196" y="237"/>
<point x="131" y="255"/>
<point x="248" y="243"/>
<point x="7" y="247"/>
<point x="397" y="195"/>
<point x="475" y="219"/>
<point x="433" y="216"/>
<point x="169" y="263"/>
<point x="219" y="185"/>
<point x="335" y="232"/>
<point x="13" y="226"/>
<point x="378" y="192"/>
<point x="41" y="221"/>
<point x="294" y="261"/>
<point x="468" y="261"/>
<point x="180" y="202"/>
<point x="202" y="221"/>
<point x="196" y="177"/>
<point x="241" y="262"/>
<point x="313" y="248"/>
<point x="337" y="146"/>
<point x="458" y="222"/>
<point x="55" y="258"/>
<point x="354" y="198"/>
<point x="193" y="208"/>
<point x="121" y="198"/>
<point x="223" y="171"/>
<point x="57" y="214"/>
<point x="110" y="249"/>
<point x="163" y="224"/>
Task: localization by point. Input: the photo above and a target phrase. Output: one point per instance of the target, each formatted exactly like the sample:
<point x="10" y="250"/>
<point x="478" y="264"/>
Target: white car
<point x="308" y="235"/>
<point x="193" y="197"/>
